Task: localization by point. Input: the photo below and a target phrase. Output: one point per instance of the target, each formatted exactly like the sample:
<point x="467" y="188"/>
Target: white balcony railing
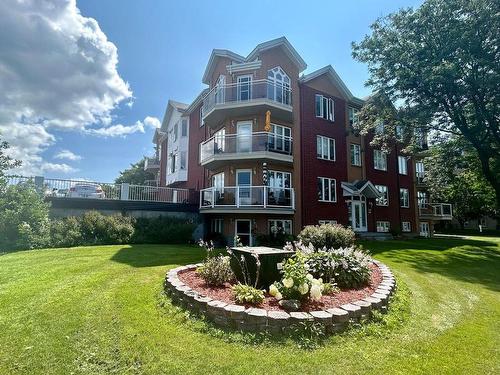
<point x="247" y="92"/>
<point x="239" y="144"/>
<point x="441" y="211"/>
<point x="247" y="197"/>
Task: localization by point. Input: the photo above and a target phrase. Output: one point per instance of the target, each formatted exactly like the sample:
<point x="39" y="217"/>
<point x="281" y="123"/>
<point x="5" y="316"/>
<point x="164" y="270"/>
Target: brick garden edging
<point x="254" y="319"/>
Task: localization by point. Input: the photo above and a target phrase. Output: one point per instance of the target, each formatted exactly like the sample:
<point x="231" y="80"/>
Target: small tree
<point x="135" y="175"/>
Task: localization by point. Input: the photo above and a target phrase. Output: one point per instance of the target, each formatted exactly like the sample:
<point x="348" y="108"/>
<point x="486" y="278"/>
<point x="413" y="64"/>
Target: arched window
<point x="278" y="87"/>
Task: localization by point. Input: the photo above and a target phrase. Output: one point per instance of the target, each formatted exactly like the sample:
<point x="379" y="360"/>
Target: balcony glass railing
<point x="238" y="144"/>
<point x="438" y="210"/>
<point x="151" y="163"/>
<point x="246" y="92"/>
<point x="247" y="197"/>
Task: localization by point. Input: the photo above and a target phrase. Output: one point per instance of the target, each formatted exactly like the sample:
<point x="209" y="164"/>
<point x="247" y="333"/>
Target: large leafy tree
<point x="135" y="175"/>
<point x="453" y="175"/>
<point x="6" y="162"/>
<point x="440" y="65"/>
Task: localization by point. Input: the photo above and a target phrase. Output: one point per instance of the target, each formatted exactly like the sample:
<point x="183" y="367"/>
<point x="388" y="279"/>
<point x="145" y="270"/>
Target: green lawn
<point x="101" y="310"/>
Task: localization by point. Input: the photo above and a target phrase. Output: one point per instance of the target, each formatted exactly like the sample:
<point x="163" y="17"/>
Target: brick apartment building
<point x="270" y="149"/>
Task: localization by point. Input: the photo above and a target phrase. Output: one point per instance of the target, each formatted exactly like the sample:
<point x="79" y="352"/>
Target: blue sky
<point x="163" y="48"/>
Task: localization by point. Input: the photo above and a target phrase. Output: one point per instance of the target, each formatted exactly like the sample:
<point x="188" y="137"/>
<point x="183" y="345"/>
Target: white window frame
<point x="379" y="127"/>
<point x="356" y="154"/>
<point x="402" y="165"/>
<point x="419" y="172"/>
<point x="282" y="137"/>
<point x="406" y="226"/>
<point x="183" y="160"/>
<point x="218" y="181"/>
<point x="326" y="107"/>
<point x="202" y="122"/>
<point x="422" y="199"/>
<point x="323" y="142"/>
<point x="217" y="225"/>
<point x="383" y="226"/>
<point x="240" y="84"/>
<point x="331" y="197"/>
<point x="379" y="160"/>
<point x="279" y="87"/>
<point x="382" y="201"/>
<point x="184" y="127"/>
<point x="286" y="224"/>
<point x="273" y="176"/>
<point x="404" y="197"/>
<point x="353" y="114"/>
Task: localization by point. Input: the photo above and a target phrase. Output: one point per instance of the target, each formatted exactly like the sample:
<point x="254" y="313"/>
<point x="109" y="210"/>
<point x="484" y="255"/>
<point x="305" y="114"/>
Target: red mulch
<point x="225" y="294"/>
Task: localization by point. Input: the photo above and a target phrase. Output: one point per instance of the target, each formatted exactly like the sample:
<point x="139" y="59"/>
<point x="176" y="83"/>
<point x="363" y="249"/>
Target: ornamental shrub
<point x="24" y="218"/>
<point x="248" y="294"/>
<point x="327" y="236"/>
<point x="297" y="283"/>
<point x="347" y="267"/>
<point x="216" y="270"/>
<point x="163" y="230"/>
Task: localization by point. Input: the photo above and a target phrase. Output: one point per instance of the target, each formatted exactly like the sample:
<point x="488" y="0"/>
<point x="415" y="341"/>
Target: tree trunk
<point x="491" y="177"/>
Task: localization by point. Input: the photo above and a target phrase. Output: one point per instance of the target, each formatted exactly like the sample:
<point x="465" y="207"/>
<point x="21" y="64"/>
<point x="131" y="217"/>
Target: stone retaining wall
<point x="254" y="319"/>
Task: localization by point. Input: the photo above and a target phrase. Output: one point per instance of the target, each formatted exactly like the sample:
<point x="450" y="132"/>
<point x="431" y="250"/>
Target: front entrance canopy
<point x="362" y="188"/>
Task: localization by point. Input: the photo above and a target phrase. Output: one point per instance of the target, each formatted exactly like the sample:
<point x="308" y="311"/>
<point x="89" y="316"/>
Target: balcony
<point x="247" y="199"/>
<point x="248" y="98"/>
<point x="152" y="164"/>
<point x="222" y="149"/>
<point x="435" y="211"/>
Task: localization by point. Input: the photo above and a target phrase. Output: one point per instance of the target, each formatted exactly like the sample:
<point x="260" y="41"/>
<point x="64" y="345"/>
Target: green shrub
<point x="24" y="218"/>
<point x="347" y="267"/>
<point x="92" y="228"/>
<point x="248" y="294"/>
<point x="331" y="236"/>
<point x="216" y="270"/>
<point x="163" y="230"/>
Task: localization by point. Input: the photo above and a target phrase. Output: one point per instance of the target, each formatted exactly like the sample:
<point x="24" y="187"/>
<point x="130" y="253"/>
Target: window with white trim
<point x="280" y="138"/>
<point x="202" y="122"/>
<point x="278" y="87"/>
<point x="406" y="226"/>
<point x="173" y="162"/>
<point x="217" y="226"/>
<point x="183" y="159"/>
<point x="327" y="189"/>
<point x="176" y="131"/>
<point x="184" y="131"/>
<point x="404" y="197"/>
<point x="325" y="107"/>
<point x="218" y="181"/>
<point x="422" y="199"/>
<point x="379" y="160"/>
<point x="332" y="222"/>
<point x="402" y="165"/>
<point x="325" y="148"/>
<point x="383" y="226"/>
<point x="355" y="154"/>
<point x="419" y="172"/>
<point x="384" y="199"/>
<point x="280" y="226"/>
<point x="353" y="114"/>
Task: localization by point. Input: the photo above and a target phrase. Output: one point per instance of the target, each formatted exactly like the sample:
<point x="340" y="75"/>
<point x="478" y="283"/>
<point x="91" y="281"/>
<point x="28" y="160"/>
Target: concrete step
<point x="374" y="236"/>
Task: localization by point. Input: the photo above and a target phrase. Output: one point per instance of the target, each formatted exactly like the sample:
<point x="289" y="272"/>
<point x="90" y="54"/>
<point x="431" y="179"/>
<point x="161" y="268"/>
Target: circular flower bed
<point x="332" y="311"/>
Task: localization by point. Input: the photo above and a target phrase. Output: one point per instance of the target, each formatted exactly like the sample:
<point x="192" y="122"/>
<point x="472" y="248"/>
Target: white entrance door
<point x="358" y="216"/>
<point x="244" y="183"/>
<point x="244" y="137"/>
<point x="424" y="229"/>
<point x="243" y="229"/>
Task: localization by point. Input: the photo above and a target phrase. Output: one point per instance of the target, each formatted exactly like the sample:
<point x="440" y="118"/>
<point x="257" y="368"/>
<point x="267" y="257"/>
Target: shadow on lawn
<point x="158" y="255"/>
<point x="474" y="261"/>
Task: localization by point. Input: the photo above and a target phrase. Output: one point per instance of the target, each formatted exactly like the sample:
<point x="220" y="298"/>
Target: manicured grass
<point x="101" y="310"/>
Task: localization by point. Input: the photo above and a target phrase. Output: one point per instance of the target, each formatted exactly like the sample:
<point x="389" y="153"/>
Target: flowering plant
<point x="297" y="283"/>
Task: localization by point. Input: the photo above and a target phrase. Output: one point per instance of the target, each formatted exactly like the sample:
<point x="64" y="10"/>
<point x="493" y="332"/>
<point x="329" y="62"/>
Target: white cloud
<point x="120" y="130"/>
<point x="59" y="168"/>
<point x="68" y="155"/>
<point x="58" y="70"/>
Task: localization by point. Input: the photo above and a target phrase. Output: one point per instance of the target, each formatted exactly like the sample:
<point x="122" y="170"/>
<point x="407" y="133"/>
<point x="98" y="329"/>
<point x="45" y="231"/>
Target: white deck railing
<point x="436" y="210"/>
<point x="245" y="144"/>
<point x="247" y="196"/>
<point x="69" y="188"/>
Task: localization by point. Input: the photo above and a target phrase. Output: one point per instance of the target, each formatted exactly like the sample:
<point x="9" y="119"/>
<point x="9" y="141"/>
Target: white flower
<point x="273" y="290"/>
<point x="288" y="282"/>
<point x="304" y="288"/>
<point x="278" y="296"/>
<point x="315" y="292"/>
<point x="309" y="277"/>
